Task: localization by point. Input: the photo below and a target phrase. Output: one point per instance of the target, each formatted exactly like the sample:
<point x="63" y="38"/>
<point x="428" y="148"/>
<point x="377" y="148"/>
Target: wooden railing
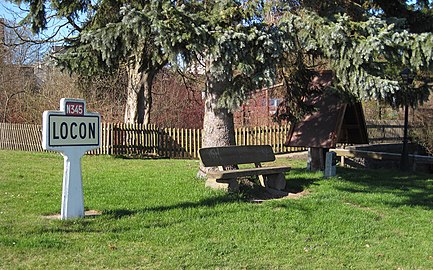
<point x="385" y="131"/>
<point x="356" y="153"/>
<point x="141" y="140"/>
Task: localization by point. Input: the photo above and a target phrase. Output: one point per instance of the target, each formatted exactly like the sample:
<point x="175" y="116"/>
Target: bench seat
<point x="247" y="172"/>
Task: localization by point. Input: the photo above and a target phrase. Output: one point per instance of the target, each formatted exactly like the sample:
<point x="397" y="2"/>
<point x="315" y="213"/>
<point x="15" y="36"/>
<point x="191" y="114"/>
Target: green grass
<point x="157" y="215"/>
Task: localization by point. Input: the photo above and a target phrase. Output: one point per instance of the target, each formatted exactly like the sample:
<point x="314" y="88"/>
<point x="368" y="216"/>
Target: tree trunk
<point x="316" y="159"/>
<point x="218" y="127"/>
<point x="139" y="96"/>
<point x="218" y="124"/>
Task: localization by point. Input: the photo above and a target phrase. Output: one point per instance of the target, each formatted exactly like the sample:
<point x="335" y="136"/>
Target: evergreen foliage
<point x="127" y="39"/>
<point x="365" y="56"/>
<point x="245" y="51"/>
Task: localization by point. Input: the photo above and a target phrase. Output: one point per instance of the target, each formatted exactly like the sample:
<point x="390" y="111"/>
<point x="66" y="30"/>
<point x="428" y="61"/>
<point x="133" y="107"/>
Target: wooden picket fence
<point x="146" y="140"/>
<point x="25" y="137"/>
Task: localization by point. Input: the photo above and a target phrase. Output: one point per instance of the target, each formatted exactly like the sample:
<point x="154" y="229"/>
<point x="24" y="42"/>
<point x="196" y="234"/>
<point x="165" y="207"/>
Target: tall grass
<point x="157" y="215"/>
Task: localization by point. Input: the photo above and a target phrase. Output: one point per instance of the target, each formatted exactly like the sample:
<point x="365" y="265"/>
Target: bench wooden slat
<point x="246" y="172"/>
<point x="233" y="155"/>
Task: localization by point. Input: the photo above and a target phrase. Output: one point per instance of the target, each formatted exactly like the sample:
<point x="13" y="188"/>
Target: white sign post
<point x="71" y="131"/>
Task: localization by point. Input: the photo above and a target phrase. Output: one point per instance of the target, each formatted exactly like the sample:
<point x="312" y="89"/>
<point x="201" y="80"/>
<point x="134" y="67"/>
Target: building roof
<point x="334" y="121"/>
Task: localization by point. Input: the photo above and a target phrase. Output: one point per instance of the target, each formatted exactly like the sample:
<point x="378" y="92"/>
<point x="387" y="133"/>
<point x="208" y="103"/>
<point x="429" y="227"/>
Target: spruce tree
<point x="108" y="35"/>
<point x="245" y="45"/>
<point x="237" y="51"/>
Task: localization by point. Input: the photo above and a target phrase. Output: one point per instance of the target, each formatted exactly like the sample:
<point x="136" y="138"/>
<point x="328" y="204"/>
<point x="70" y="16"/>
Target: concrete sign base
<point x="72" y="192"/>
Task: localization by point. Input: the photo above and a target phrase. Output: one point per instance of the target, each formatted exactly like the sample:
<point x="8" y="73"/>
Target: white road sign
<point x="72" y="126"/>
<point x="71" y="131"/>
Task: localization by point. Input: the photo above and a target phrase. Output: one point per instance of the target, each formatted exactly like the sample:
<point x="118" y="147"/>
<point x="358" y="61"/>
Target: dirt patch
<point x="87" y="214"/>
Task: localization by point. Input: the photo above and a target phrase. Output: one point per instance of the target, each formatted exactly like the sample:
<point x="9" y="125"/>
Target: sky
<point x="10" y="11"/>
<point x="14" y="13"/>
<point x="35" y="52"/>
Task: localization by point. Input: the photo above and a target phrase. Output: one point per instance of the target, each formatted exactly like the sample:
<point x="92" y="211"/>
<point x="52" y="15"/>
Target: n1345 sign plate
<point x="72" y="126"/>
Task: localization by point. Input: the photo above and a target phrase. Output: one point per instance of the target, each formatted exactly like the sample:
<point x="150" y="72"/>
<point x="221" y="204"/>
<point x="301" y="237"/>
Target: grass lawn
<point x="157" y="215"/>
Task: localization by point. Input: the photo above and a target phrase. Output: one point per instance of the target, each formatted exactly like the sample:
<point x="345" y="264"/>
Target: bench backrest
<point x="233" y="155"/>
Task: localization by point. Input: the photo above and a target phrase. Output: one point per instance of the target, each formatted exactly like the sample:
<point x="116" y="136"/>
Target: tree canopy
<point x="245" y="45"/>
<point x="365" y="49"/>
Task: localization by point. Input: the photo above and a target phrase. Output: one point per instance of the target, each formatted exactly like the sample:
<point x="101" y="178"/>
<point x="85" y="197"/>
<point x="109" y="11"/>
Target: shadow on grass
<point x="140" y="156"/>
<point x="210" y="202"/>
<point x="90" y="225"/>
<point x="413" y="189"/>
<point x="299" y="180"/>
<point x="294" y="185"/>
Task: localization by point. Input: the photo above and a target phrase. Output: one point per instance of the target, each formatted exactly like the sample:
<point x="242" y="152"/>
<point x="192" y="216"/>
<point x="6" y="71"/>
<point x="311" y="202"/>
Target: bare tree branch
<point x="71" y="21"/>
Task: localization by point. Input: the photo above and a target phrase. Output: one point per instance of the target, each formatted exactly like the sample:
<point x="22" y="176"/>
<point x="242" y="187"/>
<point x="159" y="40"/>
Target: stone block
<point x="229" y="185"/>
<point x="275" y="181"/>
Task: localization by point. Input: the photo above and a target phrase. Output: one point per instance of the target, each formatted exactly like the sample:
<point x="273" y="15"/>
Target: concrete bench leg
<point x="230" y="185"/>
<point x="275" y="181"/>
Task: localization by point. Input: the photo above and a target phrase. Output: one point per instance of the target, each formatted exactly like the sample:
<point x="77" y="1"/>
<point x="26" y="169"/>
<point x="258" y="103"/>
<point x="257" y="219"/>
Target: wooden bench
<point x="227" y="159"/>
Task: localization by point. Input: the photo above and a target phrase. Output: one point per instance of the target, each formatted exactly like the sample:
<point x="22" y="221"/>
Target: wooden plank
<point x="247" y="172"/>
<point x="30" y="138"/>
<point x="274" y="139"/>
<point x="114" y="142"/>
<point x="182" y="142"/>
<point x="151" y="139"/>
<point x="145" y="132"/>
<point x="168" y="140"/>
<point x="255" y="141"/>
<point x="381" y="155"/>
<point x="366" y="154"/>
<point x="232" y="155"/>
<point x="279" y="145"/>
<point x="191" y="147"/>
<point x="174" y="143"/>
<point x="147" y="139"/>
<point x="166" y="143"/>
<point x="194" y="139"/>
<point x="248" y="136"/>
<point x="104" y="139"/>
<point x="14" y="138"/>
<point x="109" y="138"/>
<point x="198" y="143"/>
<point x="179" y="142"/>
<point x="39" y="138"/>
<point x="2" y="135"/>
<point x="138" y="140"/>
